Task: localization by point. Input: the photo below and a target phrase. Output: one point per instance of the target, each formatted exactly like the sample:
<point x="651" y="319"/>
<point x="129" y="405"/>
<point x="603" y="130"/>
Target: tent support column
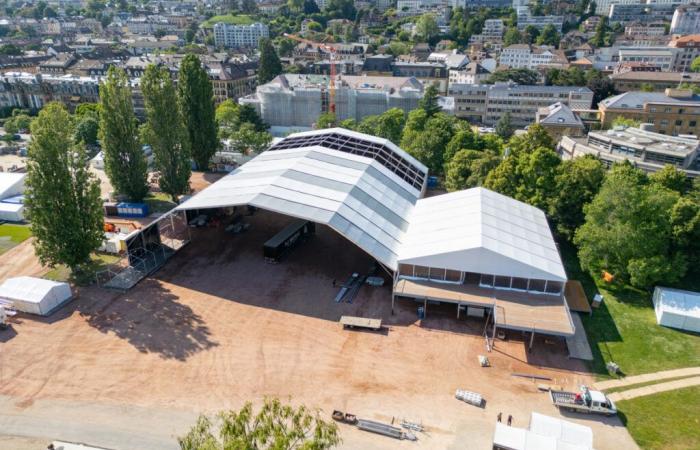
<point x="393" y="296"/>
<point x="425" y="307"/>
<point x="532" y="339"/>
<point x="458" y="310"/>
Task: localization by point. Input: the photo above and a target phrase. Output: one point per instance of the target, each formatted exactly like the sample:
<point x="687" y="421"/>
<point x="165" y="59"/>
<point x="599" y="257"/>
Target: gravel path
<point x="638" y="379"/>
<point x="654" y="389"/>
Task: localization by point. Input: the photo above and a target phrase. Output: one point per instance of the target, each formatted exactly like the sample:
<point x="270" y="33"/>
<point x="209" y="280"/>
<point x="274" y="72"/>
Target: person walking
<point x="500" y="414"/>
<point x="510" y="419"/>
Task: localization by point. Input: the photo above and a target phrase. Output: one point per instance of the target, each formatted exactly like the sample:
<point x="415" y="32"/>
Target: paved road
<point x="655" y="389"/>
<point x="111" y="426"/>
<point x="656" y="376"/>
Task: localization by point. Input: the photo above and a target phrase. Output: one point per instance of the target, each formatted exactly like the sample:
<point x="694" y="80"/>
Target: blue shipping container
<point x="432" y="182"/>
<point x="125" y="209"/>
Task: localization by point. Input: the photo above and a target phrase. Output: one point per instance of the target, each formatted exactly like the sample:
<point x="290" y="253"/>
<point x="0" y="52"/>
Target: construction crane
<point x="332" y="51"/>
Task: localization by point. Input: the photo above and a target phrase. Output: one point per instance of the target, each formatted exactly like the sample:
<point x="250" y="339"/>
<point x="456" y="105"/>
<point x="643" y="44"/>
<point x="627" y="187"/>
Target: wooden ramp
<point x="361" y="322"/>
<point x="576" y="297"/>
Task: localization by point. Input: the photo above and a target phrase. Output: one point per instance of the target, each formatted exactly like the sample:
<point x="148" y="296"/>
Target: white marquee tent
<point x="35" y="295"/>
<point x="677" y="309"/>
<point x="544" y="433"/>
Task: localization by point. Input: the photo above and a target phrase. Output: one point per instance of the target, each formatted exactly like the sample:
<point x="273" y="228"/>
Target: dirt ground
<point x="217" y="326"/>
<point x="21" y="260"/>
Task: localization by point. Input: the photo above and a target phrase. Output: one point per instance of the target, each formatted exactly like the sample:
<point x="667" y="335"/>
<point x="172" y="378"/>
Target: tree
<point x="325" y="120"/>
<point x="531" y="33"/>
<point x="388" y="125"/>
<point x="275" y="426"/>
<point x="628" y="231"/>
<point x="519" y="76"/>
<point x="577" y="181"/>
<point x="246" y="139"/>
<point x="621" y="121"/>
<point x="469" y="168"/>
<point x="230" y="116"/>
<point x="535" y="138"/>
<point x="426" y="137"/>
<point x="86" y="130"/>
<point x="18" y="122"/>
<point x="341" y="9"/>
<point x="62" y="196"/>
<point x="600" y="37"/>
<point x="427" y="28"/>
<point x="196" y="100"/>
<point x="512" y="36"/>
<point x="88" y="109"/>
<point x="269" y="66"/>
<point x="672" y="178"/>
<point x="504" y="126"/>
<point x="165" y="131"/>
<point x="695" y="65"/>
<point x="125" y="163"/>
<point x="429" y="102"/>
<point x="549" y="36"/>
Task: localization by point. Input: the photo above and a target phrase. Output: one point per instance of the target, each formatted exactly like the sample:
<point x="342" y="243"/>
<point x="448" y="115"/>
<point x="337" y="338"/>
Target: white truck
<point x="584" y="401"/>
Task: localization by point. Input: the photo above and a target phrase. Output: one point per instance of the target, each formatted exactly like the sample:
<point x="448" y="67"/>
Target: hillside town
<point x="352" y="224"/>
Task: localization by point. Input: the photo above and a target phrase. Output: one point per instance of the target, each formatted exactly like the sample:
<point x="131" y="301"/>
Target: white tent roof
<point x="11" y="184"/>
<point x="477" y="230"/>
<point x="545" y="433"/>
<point x="369" y="190"/>
<point x="676" y="301"/>
<point x="356" y="196"/>
<point x="562" y="430"/>
<point x="28" y="289"/>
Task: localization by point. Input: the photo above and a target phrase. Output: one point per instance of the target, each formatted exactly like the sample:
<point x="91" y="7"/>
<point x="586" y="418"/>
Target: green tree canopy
<point x="695" y="65"/>
<point x="469" y="168"/>
<point x="388" y="125"/>
<point x="125" y="163"/>
<point x="512" y="36"/>
<point x="427" y="28"/>
<point x="519" y="76"/>
<point x="270" y="65"/>
<point x="18" y="122"/>
<point x="672" y="178"/>
<point x="325" y="120"/>
<point x="275" y="426"/>
<point x="196" y="100"/>
<point x="165" y="131"/>
<point x="577" y="181"/>
<point x="504" y="126"/>
<point x="628" y="230"/>
<point x="86" y="130"/>
<point x="62" y="196"/>
<point x="247" y="140"/>
<point x="549" y="36"/>
<point x="230" y="116"/>
<point x="426" y="137"/>
<point x="429" y="102"/>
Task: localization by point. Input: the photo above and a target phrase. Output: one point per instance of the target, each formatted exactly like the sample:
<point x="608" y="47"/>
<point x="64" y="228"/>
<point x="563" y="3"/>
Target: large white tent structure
<point x="676" y="308"/>
<point x="35" y="295"/>
<point x="11" y="190"/>
<point x="473" y="247"/>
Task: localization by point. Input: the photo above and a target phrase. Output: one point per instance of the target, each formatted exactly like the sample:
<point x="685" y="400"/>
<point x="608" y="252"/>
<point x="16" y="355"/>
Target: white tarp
<point x="11" y="184"/>
<point x="562" y="430"/>
<point x="545" y="433"/>
<point x="35" y="295"/>
<point x="11" y="212"/>
<point x="676" y="308"/>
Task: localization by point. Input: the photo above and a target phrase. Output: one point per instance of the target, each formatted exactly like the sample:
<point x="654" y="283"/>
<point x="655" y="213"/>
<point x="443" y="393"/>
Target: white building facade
<point x="235" y="36"/>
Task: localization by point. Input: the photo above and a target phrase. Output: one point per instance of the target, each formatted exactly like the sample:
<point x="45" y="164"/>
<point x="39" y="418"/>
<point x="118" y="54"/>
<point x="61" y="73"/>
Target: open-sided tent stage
<point x="473" y="248"/>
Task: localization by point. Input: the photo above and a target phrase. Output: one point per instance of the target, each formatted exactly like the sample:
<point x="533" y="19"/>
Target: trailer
<point x="381" y="428"/>
<point x="288" y="238"/>
<point x="584" y="401"/>
<point x="361" y="322"/>
<point x="473" y="398"/>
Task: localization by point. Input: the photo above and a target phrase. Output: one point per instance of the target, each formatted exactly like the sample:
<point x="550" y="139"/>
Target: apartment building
<point x="486" y="104"/>
<point x="526" y="20"/>
<point x="645" y="29"/>
<point x="525" y="56"/>
<point x="32" y="91"/>
<point x="473" y="73"/>
<point x="686" y="20"/>
<point x="647" y="150"/>
<point x="687" y="48"/>
<point x="603" y="6"/>
<point x="294" y="100"/>
<point x="239" y="36"/>
<point x="657" y="81"/>
<point x="660" y="57"/>
<point x="672" y="112"/>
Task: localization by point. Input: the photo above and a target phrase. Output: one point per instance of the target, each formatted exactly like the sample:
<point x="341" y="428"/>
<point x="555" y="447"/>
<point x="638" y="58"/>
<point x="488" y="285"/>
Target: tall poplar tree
<point x="62" y="197"/>
<point x="165" y="131"/>
<point x="270" y="65"/>
<point x="196" y="98"/>
<point x="125" y="163"/>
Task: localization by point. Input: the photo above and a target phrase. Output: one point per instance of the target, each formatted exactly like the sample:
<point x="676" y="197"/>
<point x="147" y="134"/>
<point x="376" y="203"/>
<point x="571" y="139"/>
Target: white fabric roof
<point x="546" y="434"/>
<point x="11" y="184"/>
<point x="354" y="195"/>
<point x="564" y="431"/>
<point x="29" y="289"/>
<point x="477" y="230"/>
<point x="373" y="206"/>
<point x="676" y="301"/>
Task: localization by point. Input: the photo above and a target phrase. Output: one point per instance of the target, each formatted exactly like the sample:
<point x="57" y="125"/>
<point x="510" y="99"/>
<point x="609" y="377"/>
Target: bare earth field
<point x="217" y="326"/>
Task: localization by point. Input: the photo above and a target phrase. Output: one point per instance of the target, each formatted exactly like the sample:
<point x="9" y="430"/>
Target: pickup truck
<point x="585" y="401"/>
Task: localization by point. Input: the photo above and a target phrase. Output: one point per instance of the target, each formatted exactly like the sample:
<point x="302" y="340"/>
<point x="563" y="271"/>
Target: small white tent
<point x="35" y="295"/>
<point x="677" y="309"/>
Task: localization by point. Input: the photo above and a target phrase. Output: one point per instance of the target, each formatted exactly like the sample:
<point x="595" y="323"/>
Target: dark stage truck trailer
<point x="284" y="241"/>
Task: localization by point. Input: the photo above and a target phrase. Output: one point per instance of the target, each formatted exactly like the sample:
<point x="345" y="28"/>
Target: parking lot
<point x="218" y="326"/>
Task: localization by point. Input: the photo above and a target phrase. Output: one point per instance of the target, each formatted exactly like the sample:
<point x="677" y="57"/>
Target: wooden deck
<point x="576" y="297"/>
<point x="514" y="310"/>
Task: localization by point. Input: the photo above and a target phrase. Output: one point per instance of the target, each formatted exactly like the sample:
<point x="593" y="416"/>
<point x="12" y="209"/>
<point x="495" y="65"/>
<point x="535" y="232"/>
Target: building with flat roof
<point x="234" y="36"/>
<point x="686" y="20"/>
<point x="672" y="112"/>
<point x="633" y="80"/>
<point x="486" y="103"/>
<point x="472" y="249"/>
<point x="293" y="100"/>
<point x="647" y="150"/>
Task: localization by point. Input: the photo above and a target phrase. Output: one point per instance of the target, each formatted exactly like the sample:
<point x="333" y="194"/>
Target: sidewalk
<point x="654" y="389"/>
<point x="638" y="379"/>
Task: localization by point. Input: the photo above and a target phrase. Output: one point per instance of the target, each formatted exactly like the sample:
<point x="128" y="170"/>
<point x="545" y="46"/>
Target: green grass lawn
<point x="98" y="262"/>
<point x="240" y="19"/>
<point x="11" y="235"/>
<point x="159" y="202"/>
<point x="624" y="329"/>
<point x="668" y="420"/>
